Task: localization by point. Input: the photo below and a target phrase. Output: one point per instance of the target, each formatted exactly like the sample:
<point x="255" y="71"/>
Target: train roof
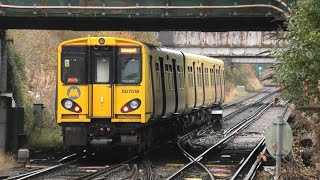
<point x="186" y="54"/>
<point x="84" y="40"/>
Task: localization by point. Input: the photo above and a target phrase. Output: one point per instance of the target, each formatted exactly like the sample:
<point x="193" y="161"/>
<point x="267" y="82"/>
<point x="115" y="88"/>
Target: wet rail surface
<point x="219" y="140"/>
<point x="238" y="156"/>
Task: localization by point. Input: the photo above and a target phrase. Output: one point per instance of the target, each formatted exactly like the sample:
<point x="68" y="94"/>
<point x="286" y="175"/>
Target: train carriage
<point x="114" y="91"/>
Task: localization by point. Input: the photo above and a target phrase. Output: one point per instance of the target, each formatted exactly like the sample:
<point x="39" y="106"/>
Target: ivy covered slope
<point x="300" y="59"/>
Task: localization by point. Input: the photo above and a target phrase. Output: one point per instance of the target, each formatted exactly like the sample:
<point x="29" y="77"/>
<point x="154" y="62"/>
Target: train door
<point x="174" y="65"/>
<point x="102" y="84"/>
<point x="158" y="103"/>
<point x="222" y="85"/>
<point x="199" y="92"/>
<point x="213" y="83"/>
<point x="195" y="84"/>
<point x="163" y="89"/>
<point x="203" y="75"/>
<point x="218" y="84"/>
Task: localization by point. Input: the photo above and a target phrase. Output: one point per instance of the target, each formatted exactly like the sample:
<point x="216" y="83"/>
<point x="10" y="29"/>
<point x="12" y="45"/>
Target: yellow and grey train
<point x="114" y="91"/>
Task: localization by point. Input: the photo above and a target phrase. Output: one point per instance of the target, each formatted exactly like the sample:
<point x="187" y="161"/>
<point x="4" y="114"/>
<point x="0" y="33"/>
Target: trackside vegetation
<point x="300" y="59"/>
<point x="16" y="85"/>
<point x="298" y="72"/>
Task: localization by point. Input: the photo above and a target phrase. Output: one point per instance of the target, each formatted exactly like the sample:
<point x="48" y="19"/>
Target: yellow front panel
<point x="123" y="94"/>
<point x="101" y="104"/>
<point x="79" y="94"/>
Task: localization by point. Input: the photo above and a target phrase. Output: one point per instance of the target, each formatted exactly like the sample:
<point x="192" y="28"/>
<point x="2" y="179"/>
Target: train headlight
<point x="134" y="104"/>
<point x="68" y="104"/>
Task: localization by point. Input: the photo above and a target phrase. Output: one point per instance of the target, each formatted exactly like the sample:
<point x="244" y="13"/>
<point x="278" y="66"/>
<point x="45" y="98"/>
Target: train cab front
<point x="101" y="91"/>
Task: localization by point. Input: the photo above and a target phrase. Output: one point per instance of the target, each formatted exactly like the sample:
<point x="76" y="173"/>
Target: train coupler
<point x="129" y="140"/>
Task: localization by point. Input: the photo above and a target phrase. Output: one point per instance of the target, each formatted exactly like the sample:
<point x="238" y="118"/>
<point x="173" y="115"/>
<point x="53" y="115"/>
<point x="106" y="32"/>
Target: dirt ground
<point x="7" y="161"/>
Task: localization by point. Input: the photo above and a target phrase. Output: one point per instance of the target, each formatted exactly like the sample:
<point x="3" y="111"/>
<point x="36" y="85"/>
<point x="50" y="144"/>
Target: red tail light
<point x="125" y="109"/>
<point x="77" y="109"/>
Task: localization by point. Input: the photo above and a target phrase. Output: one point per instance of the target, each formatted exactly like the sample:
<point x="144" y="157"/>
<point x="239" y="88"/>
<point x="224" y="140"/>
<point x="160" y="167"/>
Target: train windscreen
<point x="129" y="63"/>
<point x="73" y="65"/>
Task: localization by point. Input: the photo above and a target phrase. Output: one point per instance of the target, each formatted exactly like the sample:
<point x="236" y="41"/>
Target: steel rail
<point x="105" y="171"/>
<point x="243" y="100"/>
<point x="251" y="173"/>
<point x="186" y="154"/>
<point x="254" y="167"/>
<point x="246" y="123"/>
<point x="149" y="169"/>
<point x="143" y="7"/>
<point x="246" y="119"/>
<point x="47" y="170"/>
<point x="41" y="171"/>
<point x="206" y="169"/>
<point x="230" y="135"/>
<point x="134" y="173"/>
<point x="248" y="106"/>
<point x="249" y="157"/>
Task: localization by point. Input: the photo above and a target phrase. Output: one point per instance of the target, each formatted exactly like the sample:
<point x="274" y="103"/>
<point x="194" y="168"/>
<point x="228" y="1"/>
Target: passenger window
<point x="182" y="78"/>
<point x="218" y="77"/>
<point x="190" y="77"/>
<point x="171" y="77"/>
<point x="166" y="77"/>
<point x="210" y="77"/>
<point x="206" y="77"/>
<point x="103" y="65"/>
<point x="178" y="76"/>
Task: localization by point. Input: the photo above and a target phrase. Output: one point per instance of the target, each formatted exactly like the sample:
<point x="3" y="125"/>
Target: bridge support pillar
<point x="3" y="62"/>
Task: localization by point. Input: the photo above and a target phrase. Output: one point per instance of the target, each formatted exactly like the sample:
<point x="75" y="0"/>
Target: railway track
<point x="74" y="167"/>
<point x="221" y="141"/>
<point x="129" y="169"/>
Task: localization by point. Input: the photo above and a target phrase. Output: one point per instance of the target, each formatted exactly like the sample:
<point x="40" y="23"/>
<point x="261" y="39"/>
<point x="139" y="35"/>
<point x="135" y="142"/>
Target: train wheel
<point x="75" y="149"/>
<point x="149" y="137"/>
<point x="217" y="124"/>
<point x="140" y="148"/>
<point x="186" y="125"/>
<point x="208" y="116"/>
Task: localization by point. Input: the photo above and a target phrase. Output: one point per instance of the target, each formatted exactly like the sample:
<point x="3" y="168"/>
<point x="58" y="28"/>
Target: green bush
<point x="299" y="60"/>
<point x="16" y="85"/>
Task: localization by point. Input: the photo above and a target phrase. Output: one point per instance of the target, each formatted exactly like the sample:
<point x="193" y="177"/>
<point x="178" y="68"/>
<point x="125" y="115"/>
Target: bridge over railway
<point x="145" y="15"/>
<point x="246" y="47"/>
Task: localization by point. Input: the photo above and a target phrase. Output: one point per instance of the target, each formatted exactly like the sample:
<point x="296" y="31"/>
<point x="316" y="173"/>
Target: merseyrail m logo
<point x="73" y="92"/>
